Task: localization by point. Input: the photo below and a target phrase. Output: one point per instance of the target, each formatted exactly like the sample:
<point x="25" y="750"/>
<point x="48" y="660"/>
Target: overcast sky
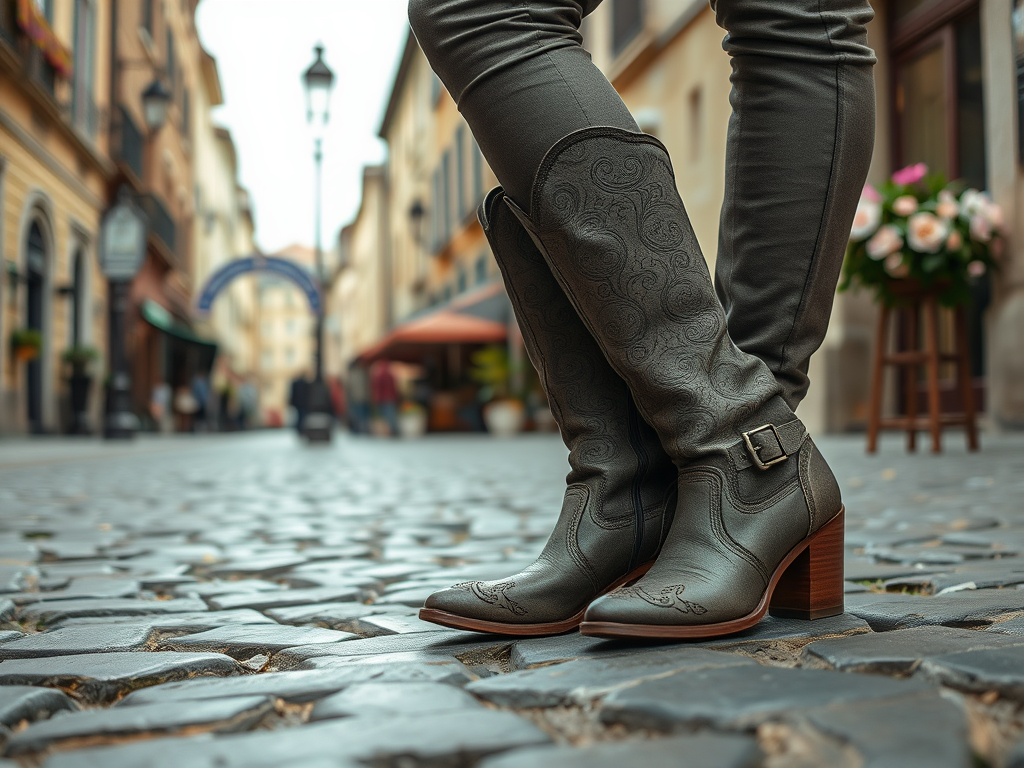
<point x="262" y="48"/>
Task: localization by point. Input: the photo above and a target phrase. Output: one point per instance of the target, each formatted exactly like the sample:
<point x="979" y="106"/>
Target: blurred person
<point x="160" y="407"/>
<point x="693" y="486"/>
<point x="298" y="399"/>
<point x="384" y="390"/>
<point x="200" y="390"/>
<point x="359" y="399"/>
<point x="248" y="403"/>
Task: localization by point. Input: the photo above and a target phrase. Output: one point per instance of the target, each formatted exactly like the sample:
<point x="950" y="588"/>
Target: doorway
<point x="35" y="298"/>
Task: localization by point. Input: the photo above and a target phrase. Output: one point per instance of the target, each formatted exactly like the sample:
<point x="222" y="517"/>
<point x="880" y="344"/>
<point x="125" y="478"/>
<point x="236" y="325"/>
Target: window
<point x="267" y="328"/>
<point x="171" y="69"/>
<point x="186" y="113"/>
<point x="446" y="208"/>
<point x="290" y="356"/>
<point x="461" y="280"/>
<point x="291" y="327"/>
<point x="460" y="172"/>
<point x="267" y="360"/>
<point x="83" y="108"/>
<point x="627" y="22"/>
<point x="481" y="269"/>
<point x="147" y="16"/>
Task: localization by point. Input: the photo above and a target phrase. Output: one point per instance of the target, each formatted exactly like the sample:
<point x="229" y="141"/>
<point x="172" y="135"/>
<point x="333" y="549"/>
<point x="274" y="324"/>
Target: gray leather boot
<point x="621" y="487"/>
<point x="757" y="503"/>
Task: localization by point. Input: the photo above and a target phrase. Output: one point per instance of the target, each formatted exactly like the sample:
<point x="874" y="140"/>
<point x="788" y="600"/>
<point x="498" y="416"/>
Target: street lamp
<point x="318" y="81"/>
<point x="123" y="250"/>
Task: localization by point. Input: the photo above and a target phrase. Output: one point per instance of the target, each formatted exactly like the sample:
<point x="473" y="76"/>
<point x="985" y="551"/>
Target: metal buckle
<point x="753" y="449"/>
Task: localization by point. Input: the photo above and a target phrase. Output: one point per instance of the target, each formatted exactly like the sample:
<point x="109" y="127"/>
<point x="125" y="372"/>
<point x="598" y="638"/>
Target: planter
<point x="412" y="424"/>
<point x="379" y="427"/>
<point x="25" y="354"/>
<point x="504" y="418"/>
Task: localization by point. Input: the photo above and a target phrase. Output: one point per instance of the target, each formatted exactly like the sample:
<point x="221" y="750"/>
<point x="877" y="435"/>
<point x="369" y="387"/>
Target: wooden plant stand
<point x="914" y="302"/>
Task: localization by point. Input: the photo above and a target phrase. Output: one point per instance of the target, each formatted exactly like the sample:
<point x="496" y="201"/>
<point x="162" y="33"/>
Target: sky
<point x="262" y="48"/>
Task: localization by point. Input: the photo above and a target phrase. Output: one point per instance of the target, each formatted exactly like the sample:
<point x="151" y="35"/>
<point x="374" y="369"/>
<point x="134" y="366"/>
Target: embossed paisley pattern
<point x="608" y="217"/>
<point x="666" y="597"/>
<point x="493" y="593"/>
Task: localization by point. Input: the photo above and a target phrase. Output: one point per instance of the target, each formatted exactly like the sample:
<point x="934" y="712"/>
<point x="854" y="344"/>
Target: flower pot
<point x="544" y="420"/>
<point x="379" y="427"/>
<point x="24" y="354"/>
<point x="412" y="424"/>
<point x="504" y="417"/>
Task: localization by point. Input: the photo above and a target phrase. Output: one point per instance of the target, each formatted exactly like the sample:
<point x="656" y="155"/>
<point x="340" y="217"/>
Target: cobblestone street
<point x="245" y="600"/>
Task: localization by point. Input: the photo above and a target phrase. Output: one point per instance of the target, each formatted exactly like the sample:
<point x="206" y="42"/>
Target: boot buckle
<point x="775" y="455"/>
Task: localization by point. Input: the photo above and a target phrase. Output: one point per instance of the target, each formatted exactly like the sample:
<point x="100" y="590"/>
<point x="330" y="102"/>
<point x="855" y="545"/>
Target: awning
<point x="406" y="342"/>
<point x="163" y="320"/>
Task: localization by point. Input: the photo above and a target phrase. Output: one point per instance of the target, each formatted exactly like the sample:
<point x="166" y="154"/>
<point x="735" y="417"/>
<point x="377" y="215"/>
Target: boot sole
<point x="453" y="620"/>
<point x="808" y="584"/>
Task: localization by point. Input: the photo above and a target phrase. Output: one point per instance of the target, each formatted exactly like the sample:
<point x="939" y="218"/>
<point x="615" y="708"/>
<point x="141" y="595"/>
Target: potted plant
<point x="503" y="413"/>
<point x="80" y="359"/>
<point x="412" y="419"/>
<point x="26" y="343"/>
<point x="916" y="233"/>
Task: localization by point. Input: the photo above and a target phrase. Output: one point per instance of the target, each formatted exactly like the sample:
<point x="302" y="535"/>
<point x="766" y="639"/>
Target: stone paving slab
<point x="701" y="751"/>
<point x="900" y="652"/>
<point x="581" y="681"/>
<point x="384" y="698"/>
<point x="243" y="640"/>
<point x="186" y="622"/>
<point x="741" y="697"/>
<point x="968" y="608"/>
<point x="28" y="703"/>
<point x="52" y="612"/>
<point x="980" y="671"/>
<point x="218" y="715"/>
<point x="99" y="638"/>
<point x="102" y="677"/>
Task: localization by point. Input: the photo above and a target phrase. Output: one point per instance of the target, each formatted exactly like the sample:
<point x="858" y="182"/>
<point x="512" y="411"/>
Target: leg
<point x="799" y="146"/>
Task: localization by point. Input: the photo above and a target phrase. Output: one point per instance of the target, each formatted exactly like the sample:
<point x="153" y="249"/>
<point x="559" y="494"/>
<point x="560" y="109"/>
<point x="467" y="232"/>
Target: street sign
<point x="123" y="239"/>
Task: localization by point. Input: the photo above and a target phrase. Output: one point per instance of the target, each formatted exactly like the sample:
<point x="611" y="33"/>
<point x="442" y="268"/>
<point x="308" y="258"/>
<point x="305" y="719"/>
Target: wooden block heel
<point x="811" y="587"/>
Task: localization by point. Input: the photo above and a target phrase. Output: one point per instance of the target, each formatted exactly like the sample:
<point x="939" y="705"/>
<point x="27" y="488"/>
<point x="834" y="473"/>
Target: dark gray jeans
<point x="799" y="144"/>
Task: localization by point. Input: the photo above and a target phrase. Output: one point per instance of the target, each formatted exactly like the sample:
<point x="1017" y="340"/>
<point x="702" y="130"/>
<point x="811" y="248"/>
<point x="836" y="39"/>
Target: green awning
<point x="160" y="318"/>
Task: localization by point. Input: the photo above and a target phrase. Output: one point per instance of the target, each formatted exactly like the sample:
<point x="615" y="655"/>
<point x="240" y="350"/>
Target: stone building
<point x="54" y="174"/>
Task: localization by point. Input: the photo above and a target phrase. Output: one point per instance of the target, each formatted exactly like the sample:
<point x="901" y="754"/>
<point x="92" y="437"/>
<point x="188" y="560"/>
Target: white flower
<point x="926" y="232"/>
<point x="976" y="268"/>
<point x="895" y="267"/>
<point x="947" y="206"/>
<point x="973" y="202"/>
<point x="981" y="230"/>
<point x="885" y="241"/>
<point x="904" y="205"/>
<point x="866" y="220"/>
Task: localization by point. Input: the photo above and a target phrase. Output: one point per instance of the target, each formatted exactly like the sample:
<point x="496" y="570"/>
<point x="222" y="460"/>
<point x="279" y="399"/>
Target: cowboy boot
<point x="757" y="503"/>
<point x="620" y="491"/>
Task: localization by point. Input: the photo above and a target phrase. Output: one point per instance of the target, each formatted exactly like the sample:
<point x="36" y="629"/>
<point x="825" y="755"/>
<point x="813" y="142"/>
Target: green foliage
<point x="26" y="337"/>
<point x="80" y="355"/>
<point x="492" y="370"/>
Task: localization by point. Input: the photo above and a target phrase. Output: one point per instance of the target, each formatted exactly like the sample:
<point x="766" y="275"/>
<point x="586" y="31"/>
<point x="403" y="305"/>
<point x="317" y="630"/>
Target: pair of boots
<point x="696" y="501"/>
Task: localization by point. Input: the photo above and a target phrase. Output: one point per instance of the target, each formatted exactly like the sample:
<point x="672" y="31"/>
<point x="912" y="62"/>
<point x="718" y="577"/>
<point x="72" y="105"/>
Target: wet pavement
<point x="245" y="600"/>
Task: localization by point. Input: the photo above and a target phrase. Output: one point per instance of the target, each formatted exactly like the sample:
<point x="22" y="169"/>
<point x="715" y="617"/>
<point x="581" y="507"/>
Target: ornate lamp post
<point x="318" y="81"/>
<point x="124" y="248"/>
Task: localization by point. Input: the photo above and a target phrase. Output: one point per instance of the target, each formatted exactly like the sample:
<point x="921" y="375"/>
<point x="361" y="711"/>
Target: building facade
<point x="55" y="172"/>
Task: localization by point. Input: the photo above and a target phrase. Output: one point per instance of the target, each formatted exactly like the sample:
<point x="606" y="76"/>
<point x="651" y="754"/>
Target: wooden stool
<point x="914" y="300"/>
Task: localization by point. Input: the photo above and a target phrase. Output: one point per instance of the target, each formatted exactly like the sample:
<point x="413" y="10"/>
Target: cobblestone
<point x="251" y="584"/>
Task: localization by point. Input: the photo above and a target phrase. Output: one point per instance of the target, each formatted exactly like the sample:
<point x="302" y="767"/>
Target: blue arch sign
<point x="257" y="263"/>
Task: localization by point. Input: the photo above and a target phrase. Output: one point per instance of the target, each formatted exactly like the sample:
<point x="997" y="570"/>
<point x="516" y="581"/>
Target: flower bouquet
<point x="916" y="227"/>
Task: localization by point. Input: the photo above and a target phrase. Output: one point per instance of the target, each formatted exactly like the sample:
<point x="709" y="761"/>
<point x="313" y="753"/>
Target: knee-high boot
<point x="756" y="500"/>
<point x="620" y="491"/>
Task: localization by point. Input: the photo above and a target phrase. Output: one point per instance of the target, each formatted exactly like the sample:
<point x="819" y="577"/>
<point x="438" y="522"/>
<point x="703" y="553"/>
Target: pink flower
<point x="926" y="232"/>
<point x="981" y="230"/>
<point x="976" y="268"/>
<point x="997" y="247"/>
<point x="904" y="205"/>
<point x="954" y="241"/>
<point x="994" y="214"/>
<point x="885" y="241"/>
<point x="895" y="267"/>
<point x="870" y="193"/>
<point x="911" y="174"/>
<point x="866" y="220"/>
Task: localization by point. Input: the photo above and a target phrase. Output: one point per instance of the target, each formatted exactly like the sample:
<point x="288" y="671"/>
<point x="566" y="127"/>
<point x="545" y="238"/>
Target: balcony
<point x="161" y="225"/>
<point x="129" y="142"/>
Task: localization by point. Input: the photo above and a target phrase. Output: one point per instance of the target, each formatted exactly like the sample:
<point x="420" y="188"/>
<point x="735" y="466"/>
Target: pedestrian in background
<point x="298" y="399"/>
<point x="359" y="399"/>
<point x="385" y="394"/>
